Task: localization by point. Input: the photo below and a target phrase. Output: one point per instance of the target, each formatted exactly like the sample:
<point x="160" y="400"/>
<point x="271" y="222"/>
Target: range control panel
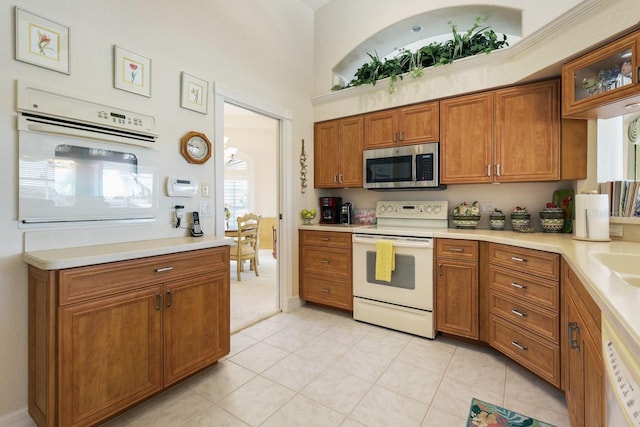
<point x="422" y="210"/>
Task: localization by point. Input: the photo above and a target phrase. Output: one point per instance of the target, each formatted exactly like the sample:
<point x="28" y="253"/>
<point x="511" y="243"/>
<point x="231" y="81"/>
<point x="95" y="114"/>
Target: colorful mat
<point x="483" y="414"/>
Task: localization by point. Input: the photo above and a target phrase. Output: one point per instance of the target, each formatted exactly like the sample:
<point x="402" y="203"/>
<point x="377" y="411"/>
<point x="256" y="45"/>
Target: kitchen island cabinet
<point x="414" y="124"/>
<point x="104" y="337"/>
<point x="338" y="146"/>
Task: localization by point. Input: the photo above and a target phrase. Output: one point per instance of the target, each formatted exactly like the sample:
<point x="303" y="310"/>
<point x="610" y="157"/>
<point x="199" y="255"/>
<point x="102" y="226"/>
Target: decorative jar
<point x="552" y="219"/>
<point x="465" y="221"/>
<point x="496" y="220"/>
<point x="520" y="219"/>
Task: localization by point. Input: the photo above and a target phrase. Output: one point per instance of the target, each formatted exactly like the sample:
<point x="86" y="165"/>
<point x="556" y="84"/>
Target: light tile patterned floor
<point x="318" y="367"/>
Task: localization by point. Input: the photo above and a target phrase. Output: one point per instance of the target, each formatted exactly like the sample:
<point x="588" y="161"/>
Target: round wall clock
<point x="195" y="147"/>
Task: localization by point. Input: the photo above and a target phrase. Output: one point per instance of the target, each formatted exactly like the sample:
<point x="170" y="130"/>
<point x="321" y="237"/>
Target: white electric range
<point x="404" y="303"/>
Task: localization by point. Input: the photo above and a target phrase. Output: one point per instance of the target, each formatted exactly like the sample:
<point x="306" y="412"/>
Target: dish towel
<point x="385" y="260"/>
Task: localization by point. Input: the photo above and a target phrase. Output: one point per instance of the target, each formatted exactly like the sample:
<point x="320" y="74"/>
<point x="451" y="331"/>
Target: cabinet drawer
<point x="333" y="263"/>
<point x="538" y="263"/>
<point x="329" y="292"/>
<point x="541" y="322"/>
<point x="326" y="239"/>
<point x="460" y="249"/>
<point x="532" y="352"/>
<point x="83" y="283"/>
<point x="541" y="292"/>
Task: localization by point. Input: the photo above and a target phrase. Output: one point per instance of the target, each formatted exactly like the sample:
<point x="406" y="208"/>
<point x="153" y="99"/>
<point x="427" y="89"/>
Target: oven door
<point x="411" y="282"/>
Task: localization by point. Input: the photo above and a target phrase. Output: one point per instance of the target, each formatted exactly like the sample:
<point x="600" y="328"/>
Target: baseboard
<point x="19" y="418"/>
<point x="291" y="304"/>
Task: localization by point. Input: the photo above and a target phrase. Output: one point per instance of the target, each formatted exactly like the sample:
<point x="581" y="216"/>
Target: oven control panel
<point x="424" y="209"/>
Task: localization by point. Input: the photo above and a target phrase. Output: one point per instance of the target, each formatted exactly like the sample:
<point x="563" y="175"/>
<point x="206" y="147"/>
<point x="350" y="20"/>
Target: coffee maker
<point x="330" y="210"/>
<point x="346" y="213"/>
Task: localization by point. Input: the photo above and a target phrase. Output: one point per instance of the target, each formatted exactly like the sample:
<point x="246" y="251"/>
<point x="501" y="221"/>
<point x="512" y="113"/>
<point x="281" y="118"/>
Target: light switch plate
<point x="615" y="230"/>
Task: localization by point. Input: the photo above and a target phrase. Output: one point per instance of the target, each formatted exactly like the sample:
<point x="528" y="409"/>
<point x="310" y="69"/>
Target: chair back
<point x="248" y="229"/>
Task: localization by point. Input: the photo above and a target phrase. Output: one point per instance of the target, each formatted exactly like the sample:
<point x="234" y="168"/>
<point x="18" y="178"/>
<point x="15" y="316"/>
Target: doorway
<point x="250" y="158"/>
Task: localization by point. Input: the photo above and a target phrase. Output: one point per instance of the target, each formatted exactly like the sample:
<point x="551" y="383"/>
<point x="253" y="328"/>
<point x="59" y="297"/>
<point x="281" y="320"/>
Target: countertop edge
<point x="57" y="259"/>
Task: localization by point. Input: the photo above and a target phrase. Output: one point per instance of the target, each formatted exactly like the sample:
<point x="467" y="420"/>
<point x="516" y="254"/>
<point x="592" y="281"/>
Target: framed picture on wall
<point x="131" y="72"/>
<point x="42" y="42"/>
<point x="194" y="93"/>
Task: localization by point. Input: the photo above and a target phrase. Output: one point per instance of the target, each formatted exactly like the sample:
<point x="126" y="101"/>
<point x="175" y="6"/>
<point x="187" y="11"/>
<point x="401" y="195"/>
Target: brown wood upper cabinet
<point x="414" y="124"/>
<point x="338" y="146"/>
<point x="604" y="82"/>
<point x="506" y="135"/>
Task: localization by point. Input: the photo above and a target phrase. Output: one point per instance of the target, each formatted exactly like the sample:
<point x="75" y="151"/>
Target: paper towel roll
<point x="592" y="217"/>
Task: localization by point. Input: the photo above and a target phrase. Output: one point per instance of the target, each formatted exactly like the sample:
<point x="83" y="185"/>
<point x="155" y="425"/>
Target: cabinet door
<point x="419" y="123"/>
<point x="527" y="133"/>
<point x="110" y="355"/>
<point x="351" y="146"/>
<point x="457" y="298"/>
<point x="601" y="83"/>
<point x="466" y="139"/>
<point x="196" y="323"/>
<point x="325" y="143"/>
<point x="381" y="129"/>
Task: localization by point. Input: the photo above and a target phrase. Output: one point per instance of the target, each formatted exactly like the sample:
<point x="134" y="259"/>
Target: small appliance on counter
<point x="330" y="208"/>
<point x="346" y="213"/>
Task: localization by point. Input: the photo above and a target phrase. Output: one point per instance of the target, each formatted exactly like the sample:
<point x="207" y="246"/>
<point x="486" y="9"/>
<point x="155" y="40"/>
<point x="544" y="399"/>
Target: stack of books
<point x="623" y="197"/>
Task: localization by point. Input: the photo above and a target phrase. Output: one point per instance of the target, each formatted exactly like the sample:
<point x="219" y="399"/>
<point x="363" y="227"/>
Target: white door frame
<point x="285" y="229"/>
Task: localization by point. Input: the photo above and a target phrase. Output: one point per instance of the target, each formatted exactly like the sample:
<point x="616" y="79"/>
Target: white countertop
<point x="57" y="259"/>
<point x="619" y="301"/>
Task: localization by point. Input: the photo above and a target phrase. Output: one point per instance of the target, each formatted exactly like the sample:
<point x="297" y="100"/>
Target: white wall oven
<point x="405" y="302"/>
<point x="81" y="162"/>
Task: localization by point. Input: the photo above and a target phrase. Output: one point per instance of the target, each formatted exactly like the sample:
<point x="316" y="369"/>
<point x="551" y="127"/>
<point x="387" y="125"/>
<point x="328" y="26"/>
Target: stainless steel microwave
<point x="405" y="167"/>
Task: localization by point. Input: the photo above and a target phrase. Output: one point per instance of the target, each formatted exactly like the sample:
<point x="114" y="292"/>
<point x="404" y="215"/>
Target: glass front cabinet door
<point x="604" y="82"/>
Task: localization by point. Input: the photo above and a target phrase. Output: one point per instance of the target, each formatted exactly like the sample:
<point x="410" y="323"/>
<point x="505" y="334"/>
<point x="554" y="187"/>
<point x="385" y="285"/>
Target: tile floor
<point x="318" y="367"/>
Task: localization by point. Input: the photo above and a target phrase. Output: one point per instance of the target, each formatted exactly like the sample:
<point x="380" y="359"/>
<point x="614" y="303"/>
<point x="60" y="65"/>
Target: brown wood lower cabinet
<point x="457" y="287"/>
<point x="156" y="321"/>
<point x="325" y="268"/>
<point x="523" y="307"/>
<point x="582" y="360"/>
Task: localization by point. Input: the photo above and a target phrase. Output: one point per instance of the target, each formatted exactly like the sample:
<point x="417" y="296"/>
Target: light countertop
<point x="56" y="259"/>
<point x="619" y="301"/>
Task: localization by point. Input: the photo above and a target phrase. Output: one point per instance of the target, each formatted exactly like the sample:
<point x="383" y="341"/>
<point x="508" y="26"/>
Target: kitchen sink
<point x="626" y="266"/>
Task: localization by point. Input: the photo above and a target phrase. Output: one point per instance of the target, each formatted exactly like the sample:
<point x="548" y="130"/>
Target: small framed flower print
<point x="131" y="72"/>
<point x="42" y="42"/>
<point x="194" y="93"/>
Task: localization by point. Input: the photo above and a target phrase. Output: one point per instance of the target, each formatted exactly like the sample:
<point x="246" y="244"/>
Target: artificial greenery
<point x="478" y="39"/>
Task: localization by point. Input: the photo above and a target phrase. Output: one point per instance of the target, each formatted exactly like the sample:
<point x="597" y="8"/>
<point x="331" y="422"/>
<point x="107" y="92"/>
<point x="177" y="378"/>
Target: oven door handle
<point x="399" y="243"/>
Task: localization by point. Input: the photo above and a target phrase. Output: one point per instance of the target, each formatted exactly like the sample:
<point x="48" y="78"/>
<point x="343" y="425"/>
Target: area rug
<point x="483" y="414"/>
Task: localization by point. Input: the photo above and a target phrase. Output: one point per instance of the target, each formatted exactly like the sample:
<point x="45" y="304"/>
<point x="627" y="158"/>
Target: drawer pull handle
<point x="163" y="269"/>
<point x="574" y="343"/>
<point x="456" y="249"/>
<point x="326" y="290"/>
<point x="515" y="285"/>
<point x="518" y="313"/>
<point x="169" y="298"/>
<point x="519" y="346"/>
<point x="324" y="261"/>
<point x="325" y="239"/>
<point x="158" y="302"/>
<point x="518" y="259"/>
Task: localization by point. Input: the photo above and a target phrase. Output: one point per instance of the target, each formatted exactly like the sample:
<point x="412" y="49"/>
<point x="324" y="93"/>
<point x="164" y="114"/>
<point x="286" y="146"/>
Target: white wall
<point x="260" y="47"/>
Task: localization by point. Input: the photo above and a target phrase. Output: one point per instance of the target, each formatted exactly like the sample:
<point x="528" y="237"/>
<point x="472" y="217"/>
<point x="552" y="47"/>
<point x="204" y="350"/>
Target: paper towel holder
<point x="583" y="215"/>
